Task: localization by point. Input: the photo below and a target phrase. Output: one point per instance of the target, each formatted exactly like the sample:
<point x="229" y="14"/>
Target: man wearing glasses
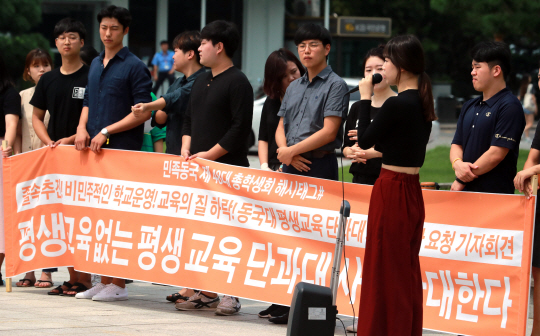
<point x="313" y="110"/>
<point x="61" y="91"/>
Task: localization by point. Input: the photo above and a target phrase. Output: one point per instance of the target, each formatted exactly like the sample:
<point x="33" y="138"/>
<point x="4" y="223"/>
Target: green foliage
<point x="17" y="17"/>
<point x="437" y="166"/>
<point x="15" y="48"/>
<point x="448" y="30"/>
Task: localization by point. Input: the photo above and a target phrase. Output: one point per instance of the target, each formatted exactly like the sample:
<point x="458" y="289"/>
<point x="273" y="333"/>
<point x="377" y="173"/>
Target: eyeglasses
<point x="70" y="38"/>
<point x="312" y="45"/>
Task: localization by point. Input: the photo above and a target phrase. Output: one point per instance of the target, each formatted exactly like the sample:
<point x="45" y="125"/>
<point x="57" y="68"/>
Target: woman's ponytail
<point x="426" y="96"/>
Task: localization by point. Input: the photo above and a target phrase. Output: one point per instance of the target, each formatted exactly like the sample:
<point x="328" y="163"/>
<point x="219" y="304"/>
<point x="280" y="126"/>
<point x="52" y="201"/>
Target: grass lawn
<point x="437" y="166"/>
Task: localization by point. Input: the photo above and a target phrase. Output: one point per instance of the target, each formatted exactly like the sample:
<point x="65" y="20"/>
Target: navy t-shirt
<point x="498" y="121"/>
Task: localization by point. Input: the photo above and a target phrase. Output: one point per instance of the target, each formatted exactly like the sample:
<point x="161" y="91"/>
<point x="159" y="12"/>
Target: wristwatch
<point x="105" y="133"/>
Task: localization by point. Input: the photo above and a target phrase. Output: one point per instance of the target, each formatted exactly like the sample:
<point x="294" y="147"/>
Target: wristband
<point x="460" y="181"/>
<point x="455" y="162"/>
<point x="264" y="166"/>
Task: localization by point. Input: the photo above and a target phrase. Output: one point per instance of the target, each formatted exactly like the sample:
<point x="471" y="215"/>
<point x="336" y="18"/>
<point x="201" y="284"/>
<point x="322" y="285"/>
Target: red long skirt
<point x="391" y="301"/>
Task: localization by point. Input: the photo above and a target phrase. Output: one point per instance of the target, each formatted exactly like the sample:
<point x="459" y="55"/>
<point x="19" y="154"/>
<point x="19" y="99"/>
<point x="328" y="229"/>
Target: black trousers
<point x="325" y="167"/>
<point x="161" y="78"/>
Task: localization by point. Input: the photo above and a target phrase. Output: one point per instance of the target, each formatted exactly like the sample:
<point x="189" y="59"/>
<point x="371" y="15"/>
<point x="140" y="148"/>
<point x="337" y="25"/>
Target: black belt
<point x="316" y="154"/>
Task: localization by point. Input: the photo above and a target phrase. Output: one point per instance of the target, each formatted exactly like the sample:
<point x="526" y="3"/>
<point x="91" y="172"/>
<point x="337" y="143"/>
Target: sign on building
<point x="364" y="26"/>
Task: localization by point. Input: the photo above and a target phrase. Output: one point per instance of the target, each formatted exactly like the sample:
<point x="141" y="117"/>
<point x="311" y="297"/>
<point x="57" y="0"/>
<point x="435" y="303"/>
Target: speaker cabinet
<point x="312" y="312"/>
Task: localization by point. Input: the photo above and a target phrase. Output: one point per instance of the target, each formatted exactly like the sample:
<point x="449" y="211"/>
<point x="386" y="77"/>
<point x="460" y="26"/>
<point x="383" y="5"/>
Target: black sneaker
<point x="269" y="310"/>
<point x="282" y="310"/>
<point x="283" y="319"/>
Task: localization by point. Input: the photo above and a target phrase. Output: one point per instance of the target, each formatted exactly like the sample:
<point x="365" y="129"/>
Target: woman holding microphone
<point x="391" y="301"/>
<point x="366" y="165"/>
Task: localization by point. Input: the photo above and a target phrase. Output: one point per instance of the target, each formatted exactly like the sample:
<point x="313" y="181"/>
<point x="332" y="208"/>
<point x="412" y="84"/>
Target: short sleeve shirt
<point x="164" y="62"/>
<point x="306" y="104"/>
<point x="498" y="121"/>
<point x="10" y="103"/>
<point x="63" y="96"/>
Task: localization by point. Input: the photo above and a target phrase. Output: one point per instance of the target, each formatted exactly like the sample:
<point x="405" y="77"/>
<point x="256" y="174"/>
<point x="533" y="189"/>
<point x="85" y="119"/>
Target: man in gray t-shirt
<point x="313" y="110"/>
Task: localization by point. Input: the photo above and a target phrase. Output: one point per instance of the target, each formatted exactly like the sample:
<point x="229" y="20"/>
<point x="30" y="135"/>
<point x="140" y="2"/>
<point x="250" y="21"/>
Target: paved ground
<point x="30" y="311"/>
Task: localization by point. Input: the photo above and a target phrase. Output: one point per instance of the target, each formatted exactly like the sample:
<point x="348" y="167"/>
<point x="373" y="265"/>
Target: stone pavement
<point x="30" y="311"/>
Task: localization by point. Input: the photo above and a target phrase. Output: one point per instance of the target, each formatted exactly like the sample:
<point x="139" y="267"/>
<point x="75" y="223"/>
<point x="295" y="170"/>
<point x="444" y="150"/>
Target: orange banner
<point x="255" y="234"/>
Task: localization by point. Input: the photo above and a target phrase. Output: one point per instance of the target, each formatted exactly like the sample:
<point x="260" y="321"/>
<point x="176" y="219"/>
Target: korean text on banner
<point x="255" y="234"/>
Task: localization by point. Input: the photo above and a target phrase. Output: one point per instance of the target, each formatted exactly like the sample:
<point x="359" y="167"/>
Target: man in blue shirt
<point x="117" y="80"/>
<point x="485" y="148"/>
<point x="313" y="110"/>
<point x="163" y="66"/>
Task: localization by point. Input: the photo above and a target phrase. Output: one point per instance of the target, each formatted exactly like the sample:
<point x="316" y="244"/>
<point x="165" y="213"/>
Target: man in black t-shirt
<point x="61" y="91"/>
<point x="217" y="125"/>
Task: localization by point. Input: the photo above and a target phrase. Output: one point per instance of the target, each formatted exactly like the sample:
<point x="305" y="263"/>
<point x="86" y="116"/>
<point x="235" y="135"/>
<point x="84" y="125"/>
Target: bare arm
<point x="17" y="146"/>
<point x="533" y="159"/>
<point x="320" y="138"/>
<point x="281" y="140"/>
<point x="463" y="169"/>
<point x="11" y="132"/>
<point x="82" y="138"/>
<point x="490" y="159"/>
<point x="186" y="145"/>
<point x="522" y="181"/>
<point x="39" y="127"/>
<point x="213" y="154"/>
<point x="140" y="108"/>
<point x="360" y="155"/>
<point x="129" y="122"/>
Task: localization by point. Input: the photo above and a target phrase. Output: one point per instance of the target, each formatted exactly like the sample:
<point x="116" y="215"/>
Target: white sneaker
<point x="88" y="294"/>
<point x="228" y="306"/>
<point x="111" y="292"/>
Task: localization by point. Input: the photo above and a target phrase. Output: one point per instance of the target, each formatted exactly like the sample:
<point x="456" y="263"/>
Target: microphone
<point x="376" y="79"/>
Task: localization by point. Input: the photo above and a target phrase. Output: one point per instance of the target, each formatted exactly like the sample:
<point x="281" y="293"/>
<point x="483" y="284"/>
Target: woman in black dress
<point x="281" y="69"/>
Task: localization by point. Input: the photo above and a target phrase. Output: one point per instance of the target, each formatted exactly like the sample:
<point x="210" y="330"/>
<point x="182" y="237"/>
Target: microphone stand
<point x="344" y="212"/>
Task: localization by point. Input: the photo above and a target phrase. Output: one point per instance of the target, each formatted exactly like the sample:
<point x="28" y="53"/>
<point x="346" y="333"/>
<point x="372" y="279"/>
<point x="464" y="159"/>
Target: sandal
<point x="44" y="281"/>
<point x="176" y="296"/>
<point x="30" y="283"/>
<point x="1" y="281"/>
<point x="60" y="290"/>
<point x="77" y="288"/>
